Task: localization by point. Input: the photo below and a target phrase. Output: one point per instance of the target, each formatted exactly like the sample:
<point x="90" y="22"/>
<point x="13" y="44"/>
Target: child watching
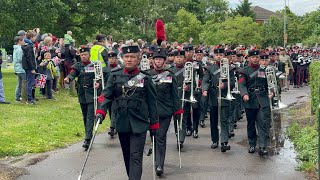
<point x="68" y="40"/>
<point x="47" y="68"/>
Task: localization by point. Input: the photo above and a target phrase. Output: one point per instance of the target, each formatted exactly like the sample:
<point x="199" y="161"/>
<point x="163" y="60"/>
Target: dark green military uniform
<point x="85" y="91"/>
<point x="168" y="103"/>
<point x="253" y="83"/>
<point x="179" y="71"/>
<point x="134" y="104"/>
<point x="210" y="84"/>
<point x="193" y="122"/>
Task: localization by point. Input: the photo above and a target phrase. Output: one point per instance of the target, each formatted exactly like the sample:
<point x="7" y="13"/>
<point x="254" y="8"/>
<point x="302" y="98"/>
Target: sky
<point x="299" y="7"/>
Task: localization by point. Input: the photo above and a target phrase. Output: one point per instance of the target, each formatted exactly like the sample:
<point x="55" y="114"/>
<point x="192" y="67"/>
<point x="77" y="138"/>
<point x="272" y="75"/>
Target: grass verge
<point x="46" y="126"/>
<point x="303" y="132"/>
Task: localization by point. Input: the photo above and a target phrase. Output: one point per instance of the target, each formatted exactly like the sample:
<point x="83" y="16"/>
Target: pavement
<point x="199" y="161"/>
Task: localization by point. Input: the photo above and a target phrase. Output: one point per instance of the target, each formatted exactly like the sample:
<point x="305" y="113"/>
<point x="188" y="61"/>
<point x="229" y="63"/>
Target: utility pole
<point x="285" y="37"/>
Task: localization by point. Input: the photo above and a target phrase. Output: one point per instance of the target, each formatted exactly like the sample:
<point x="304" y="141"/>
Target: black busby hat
<point x="130" y="49"/>
<point x="179" y="52"/>
<point x="219" y="50"/>
<point x="253" y="52"/>
<point x="160" y="52"/>
<point x="264" y="56"/>
<point x="198" y="51"/>
<point x="227" y="53"/>
<point x="84" y="49"/>
<point x="188" y="48"/>
<point x="112" y="54"/>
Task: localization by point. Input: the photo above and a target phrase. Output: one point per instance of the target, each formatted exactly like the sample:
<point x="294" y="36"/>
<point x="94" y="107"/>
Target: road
<point x="199" y="161"/>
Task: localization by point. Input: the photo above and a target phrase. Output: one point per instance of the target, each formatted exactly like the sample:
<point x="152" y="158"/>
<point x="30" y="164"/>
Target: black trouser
<point x="262" y="118"/>
<point x="49" y="89"/>
<point x="194" y="124"/>
<point x="132" y="146"/>
<point x="88" y="118"/>
<point x="204" y="107"/>
<point x="161" y="140"/>
<point x="224" y="123"/>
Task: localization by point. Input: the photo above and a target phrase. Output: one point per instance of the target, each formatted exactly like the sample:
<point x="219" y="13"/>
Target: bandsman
<point x="168" y="103"/>
<point x="254" y="91"/>
<point x="211" y="88"/>
<point x="84" y="71"/>
<point x="134" y="104"/>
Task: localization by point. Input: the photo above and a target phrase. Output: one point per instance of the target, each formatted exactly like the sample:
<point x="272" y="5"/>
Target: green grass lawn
<point x="45" y="126"/>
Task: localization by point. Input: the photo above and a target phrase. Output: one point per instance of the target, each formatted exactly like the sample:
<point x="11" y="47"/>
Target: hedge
<point x="314" y="86"/>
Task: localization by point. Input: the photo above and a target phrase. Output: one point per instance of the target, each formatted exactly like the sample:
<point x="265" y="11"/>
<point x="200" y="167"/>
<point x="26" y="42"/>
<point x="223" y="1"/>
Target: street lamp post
<point x="285" y="37"/>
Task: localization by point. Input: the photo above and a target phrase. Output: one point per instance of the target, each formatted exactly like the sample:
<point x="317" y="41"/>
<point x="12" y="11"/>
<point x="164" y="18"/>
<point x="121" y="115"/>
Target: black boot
<point x="111" y="132"/>
<point x="263" y="151"/>
<point x="231" y="134"/>
<point x="235" y="125"/>
<point x="225" y="147"/>
<point x="252" y="149"/>
<point x="214" y="145"/>
<point x="86" y="144"/>
<point x="188" y="133"/>
<point x="202" y="124"/>
<point x="181" y="145"/>
<point x="159" y="171"/>
<point x="195" y="134"/>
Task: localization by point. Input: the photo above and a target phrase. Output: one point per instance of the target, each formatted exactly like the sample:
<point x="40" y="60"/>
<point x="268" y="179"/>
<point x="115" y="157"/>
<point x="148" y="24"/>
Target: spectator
<point x="19" y="71"/>
<point x="47" y="68"/>
<point x="68" y="40"/>
<point x="29" y="64"/>
<point x="2" y="98"/>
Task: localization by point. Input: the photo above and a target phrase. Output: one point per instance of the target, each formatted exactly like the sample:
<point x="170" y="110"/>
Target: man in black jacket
<point x="29" y="64"/>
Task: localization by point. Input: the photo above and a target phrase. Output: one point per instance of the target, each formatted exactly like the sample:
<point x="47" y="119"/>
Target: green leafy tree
<point x="244" y="9"/>
<point x="235" y="30"/>
<point x="184" y="26"/>
<point x="273" y="32"/>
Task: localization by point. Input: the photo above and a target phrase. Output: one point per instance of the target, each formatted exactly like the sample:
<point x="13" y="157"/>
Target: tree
<point x="244" y="9"/>
<point x="273" y="32"/>
<point x="233" y="31"/>
<point x="184" y="26"/>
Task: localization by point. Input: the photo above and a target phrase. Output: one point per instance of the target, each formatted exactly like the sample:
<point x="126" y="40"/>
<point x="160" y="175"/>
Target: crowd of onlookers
<point x="43" y="60"/>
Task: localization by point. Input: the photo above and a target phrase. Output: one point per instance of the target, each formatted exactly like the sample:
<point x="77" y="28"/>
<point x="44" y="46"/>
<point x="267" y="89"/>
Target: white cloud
<point x="299" y="7"/>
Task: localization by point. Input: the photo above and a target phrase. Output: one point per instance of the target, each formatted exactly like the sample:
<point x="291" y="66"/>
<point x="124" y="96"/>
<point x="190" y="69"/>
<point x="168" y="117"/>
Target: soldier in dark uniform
<point x="194" y="116"/>
<point x="204" y="99"/>
<point x="84" y="71"/>
<point x="254" y="92"/>
<point x="133" y="97"/>
<point x="211" y="88"/>
<point x="170" y="62"/>
<point x="295" y="64"/>
<point x="168" y="103"/>
<point x="232" y="56"/>
<point x="112" y="66"/>
<point x="178" y="71"/>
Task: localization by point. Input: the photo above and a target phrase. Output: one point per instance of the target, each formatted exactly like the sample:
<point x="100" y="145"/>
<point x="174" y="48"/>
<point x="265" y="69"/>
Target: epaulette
<point x="116" y="69"/>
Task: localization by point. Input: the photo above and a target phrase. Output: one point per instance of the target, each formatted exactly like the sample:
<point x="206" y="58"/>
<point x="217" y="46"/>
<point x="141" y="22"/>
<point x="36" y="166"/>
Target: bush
<point x="314" y="86"/>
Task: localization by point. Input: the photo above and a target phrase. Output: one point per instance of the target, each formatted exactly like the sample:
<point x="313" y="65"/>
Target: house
<point x="262" y="15"/>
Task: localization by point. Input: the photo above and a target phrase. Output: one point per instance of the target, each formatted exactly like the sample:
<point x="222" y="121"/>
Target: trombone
<point x="98" y="75"/>
<point x="188" y="78"/>
<point x="225" y="75"/>
<point x="144" y="64"/>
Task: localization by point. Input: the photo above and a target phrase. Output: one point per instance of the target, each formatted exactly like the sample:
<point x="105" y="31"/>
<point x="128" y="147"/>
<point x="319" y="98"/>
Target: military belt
<point x="256" y="89"/>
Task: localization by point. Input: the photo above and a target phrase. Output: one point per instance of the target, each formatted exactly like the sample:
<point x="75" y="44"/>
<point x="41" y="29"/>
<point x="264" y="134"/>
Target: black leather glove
<point x="99" y="116"/>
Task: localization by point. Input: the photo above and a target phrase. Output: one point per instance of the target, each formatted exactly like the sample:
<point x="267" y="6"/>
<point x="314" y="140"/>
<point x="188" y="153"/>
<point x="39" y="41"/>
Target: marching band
<point x="181" y="84"/>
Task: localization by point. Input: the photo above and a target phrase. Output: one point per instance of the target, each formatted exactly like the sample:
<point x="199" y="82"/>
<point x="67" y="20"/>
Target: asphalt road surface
<point x="199" y="161"/>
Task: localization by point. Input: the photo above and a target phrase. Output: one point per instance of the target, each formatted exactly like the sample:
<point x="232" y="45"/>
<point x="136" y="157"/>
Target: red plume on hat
<point x="160" y="32"/>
